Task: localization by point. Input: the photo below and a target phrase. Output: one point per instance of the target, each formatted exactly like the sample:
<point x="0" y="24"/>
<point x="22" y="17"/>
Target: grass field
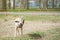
<point x="53" y="18"/>
<point x="55" y="34"/>
<point x="51" y="34"/>
<point x="33" y="9"/>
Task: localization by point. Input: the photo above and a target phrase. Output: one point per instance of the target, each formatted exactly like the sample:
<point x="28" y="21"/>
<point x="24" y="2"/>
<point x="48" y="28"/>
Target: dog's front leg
<point x="15" y="34"/>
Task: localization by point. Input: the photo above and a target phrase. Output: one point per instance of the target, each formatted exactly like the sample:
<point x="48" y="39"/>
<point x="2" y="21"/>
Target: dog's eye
<point x="17" y="21"/>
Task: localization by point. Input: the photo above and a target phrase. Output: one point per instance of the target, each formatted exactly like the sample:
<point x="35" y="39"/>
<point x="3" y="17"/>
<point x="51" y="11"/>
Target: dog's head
<point x="18" y="20"/>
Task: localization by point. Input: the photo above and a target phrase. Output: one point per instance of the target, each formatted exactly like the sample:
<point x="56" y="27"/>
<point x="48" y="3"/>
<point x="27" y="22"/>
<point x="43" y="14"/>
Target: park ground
<point x="38" y="26"/>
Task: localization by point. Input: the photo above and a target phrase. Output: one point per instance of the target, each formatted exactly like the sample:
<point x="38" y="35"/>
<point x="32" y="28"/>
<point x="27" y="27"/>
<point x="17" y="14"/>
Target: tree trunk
<point x="9" y="4"/>
<point x="39" y="3"/>
<point x="27" y="4"/>
<point x="46" y="4"/>
<point x="52" y="3"/>
<point x="13" y="4"/>
<point x="22" y="3"/>
<point x="3" y="5"/>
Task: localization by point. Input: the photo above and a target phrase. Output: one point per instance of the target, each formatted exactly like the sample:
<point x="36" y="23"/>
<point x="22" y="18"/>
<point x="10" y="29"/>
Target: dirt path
<point x="7" y="27"/>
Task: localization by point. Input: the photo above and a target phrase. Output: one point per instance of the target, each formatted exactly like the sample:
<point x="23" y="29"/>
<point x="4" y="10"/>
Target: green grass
<point x="55" y="34"/>
<point x="22" y="10"/>
<point x="31" y="36"/>
<point x="32" y="9"/>
<point x="53" y="18"/>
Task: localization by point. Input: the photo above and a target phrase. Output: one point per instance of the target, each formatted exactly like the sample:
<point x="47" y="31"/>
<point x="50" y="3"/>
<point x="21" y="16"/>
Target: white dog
<point x="18" y="24"/>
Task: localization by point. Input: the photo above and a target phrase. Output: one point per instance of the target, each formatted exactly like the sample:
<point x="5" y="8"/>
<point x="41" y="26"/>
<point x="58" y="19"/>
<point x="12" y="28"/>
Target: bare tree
<point x="3" y="5"/>
<point x="39" y="3"/>
<point x="9" y="4"/>
<point x="52" y="3"/>
<point x="46" y="4"/>
<point x="27" y="4"/>
<point x="24" y="4"/>
<point x="0" y="4"/>
<point x="13" y="4"/>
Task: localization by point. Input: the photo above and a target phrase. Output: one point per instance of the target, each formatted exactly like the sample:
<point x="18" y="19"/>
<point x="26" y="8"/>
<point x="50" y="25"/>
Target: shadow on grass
<point x="35" y="36"/>
<point x="30" y="36"/>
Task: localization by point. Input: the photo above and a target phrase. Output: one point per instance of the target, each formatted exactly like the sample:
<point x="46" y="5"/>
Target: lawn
<point x="52" y="34"/>
<point x="55" y="34"/>
<point x="53" y="18"/>
<point x="31" y="36"/>
<point x="32" y="9"/>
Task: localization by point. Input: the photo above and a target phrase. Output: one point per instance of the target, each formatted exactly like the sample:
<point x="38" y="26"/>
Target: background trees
<point x="13" y="4"/>
<point x="29" y="4"/>
<point x="9" y="4"/>
<point x="4" y="5"/>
